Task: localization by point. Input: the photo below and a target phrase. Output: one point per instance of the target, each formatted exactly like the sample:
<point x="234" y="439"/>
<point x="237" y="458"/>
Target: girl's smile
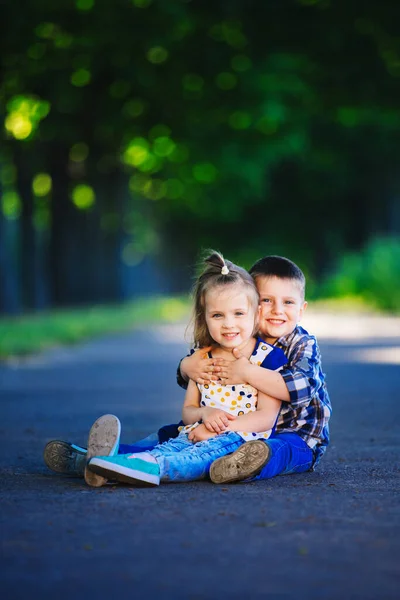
<point x="229" y="316"/>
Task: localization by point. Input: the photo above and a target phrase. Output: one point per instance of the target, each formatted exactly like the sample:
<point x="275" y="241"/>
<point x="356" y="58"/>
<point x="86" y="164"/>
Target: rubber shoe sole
<point x="245" y="462"/>
<point x="122" y="474"/>
<point x="63" y="457"/>
<point x="103" y="441"/>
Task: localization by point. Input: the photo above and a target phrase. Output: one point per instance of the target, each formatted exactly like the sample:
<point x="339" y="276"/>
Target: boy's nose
<point x="277" y="308"/>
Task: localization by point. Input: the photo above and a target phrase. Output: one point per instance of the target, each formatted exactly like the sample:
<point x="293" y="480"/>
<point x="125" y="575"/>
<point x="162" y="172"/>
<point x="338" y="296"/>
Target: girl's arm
<point x="262" y="419"/>
<point x="191" y="411"/>
<point x="214" y="419"/>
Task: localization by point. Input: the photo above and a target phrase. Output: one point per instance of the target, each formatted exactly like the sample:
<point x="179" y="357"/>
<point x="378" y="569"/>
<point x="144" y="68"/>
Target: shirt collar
<point x="286" y="340"/>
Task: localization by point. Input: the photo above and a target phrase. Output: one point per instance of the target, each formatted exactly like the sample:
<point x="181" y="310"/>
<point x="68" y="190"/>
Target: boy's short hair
<point x="278" y="266"/>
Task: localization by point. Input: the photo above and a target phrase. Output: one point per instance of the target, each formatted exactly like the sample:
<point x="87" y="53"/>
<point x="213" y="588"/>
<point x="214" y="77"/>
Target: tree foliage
<point x="151" y="128"/>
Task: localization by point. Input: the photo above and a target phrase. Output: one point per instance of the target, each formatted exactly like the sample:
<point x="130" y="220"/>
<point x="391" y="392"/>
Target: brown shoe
<point x="103" y="441"/>
<point x="245" y="462"/>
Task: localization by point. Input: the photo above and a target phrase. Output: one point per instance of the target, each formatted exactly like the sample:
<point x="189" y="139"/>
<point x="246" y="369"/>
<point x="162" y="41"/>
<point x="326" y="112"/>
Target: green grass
<point x="27" y="334"/>
<point x="345" y="304"/>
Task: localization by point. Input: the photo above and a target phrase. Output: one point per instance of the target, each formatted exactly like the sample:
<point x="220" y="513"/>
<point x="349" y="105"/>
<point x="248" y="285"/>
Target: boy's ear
<point x="302" y="309"/>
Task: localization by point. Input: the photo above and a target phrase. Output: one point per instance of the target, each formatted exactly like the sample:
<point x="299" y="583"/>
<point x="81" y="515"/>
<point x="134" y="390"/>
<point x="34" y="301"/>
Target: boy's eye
<point x="266" y="300"/>
<point x="289" y="302"/>
<point x="239" y="313"/>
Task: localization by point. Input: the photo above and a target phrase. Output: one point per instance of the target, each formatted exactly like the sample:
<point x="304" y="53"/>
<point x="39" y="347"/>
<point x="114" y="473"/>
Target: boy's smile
<point x="282" y="306"/>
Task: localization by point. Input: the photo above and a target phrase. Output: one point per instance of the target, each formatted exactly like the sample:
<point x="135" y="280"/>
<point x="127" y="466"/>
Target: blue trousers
<point x="289" y="452"/>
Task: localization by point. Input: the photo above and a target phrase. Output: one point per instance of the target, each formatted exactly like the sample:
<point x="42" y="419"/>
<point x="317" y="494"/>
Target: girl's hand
<point x="215" y="419"/>
<point x="198" y="366"/>
<point x="200" y="434"/>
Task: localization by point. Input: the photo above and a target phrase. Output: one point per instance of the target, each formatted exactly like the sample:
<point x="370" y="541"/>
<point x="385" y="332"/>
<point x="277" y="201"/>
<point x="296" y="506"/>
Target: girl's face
<point x="230" y="318"/>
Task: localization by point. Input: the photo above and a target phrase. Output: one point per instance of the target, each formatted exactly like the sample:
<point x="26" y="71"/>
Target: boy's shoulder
<point x="298" y="337"/>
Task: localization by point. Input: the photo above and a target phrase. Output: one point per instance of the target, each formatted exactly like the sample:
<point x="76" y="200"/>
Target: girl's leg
<point x="139" y="468"/>
<point x="178" y="460"/>
<point x="193" y="462"/>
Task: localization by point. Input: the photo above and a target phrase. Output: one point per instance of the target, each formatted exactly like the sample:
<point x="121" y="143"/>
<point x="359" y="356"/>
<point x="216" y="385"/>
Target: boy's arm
<point x="197" y="366"/>
<point x="295" y="383"/>
<point x="262" y="419"/>
<point x="270" y="383"/>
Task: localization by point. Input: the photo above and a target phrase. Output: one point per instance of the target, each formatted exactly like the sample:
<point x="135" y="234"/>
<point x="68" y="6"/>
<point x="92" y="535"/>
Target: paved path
<point x="331" y="534"/>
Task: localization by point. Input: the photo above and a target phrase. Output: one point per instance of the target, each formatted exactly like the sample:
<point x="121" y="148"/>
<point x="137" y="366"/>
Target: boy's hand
<point x="215" y="419"/>
<point x="200" y="434"/>
<point x="235" y="371"/>
<point x="198" y="366"/>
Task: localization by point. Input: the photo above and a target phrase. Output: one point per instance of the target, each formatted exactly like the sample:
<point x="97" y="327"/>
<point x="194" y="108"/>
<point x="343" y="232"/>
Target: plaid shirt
<point x="309" y="409"/>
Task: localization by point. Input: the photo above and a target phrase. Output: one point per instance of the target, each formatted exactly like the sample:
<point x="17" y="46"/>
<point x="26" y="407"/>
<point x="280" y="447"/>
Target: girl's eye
<point x="217" y="315"/>
<point x="266" y="300"/>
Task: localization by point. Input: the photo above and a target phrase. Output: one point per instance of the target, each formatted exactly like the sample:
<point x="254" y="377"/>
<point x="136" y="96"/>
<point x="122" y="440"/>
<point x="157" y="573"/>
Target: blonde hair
<point x="218" y="272"/>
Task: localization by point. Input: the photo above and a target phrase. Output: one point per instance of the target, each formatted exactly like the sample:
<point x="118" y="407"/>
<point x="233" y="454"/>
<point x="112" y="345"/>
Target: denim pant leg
<point x="289" y="454"/>
<point x="148" y="443"/>
<point x="144" y="445"/>
<point x="192" y="462"/>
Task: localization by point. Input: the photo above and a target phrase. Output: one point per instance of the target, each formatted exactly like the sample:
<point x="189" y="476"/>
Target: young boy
<point x="302" y="433"/>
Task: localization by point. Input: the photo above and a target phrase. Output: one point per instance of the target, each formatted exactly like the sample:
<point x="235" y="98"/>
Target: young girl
<point x="218" y="418"/>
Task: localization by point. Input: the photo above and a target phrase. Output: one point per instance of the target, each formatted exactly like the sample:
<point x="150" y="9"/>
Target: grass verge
<point x="28" y="334"/>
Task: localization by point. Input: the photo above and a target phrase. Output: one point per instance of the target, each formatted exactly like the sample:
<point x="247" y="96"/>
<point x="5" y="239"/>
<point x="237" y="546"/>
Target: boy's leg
<point x="178" y="460"/>
<point x="283" y="454"/>
<point x="64" y="457"/>
<point x="165" y="433"/>
<point x="70" y="459"/>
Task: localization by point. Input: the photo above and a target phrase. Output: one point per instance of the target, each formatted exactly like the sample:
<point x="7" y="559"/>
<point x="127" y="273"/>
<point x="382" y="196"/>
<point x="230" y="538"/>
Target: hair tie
<point x="224" y="270"/>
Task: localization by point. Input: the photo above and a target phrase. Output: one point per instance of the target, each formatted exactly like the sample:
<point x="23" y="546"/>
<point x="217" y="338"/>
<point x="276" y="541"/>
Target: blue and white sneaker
<point x="103" y="441"/>
<point x="126" y="468"/>
<point x="66" y="458"/>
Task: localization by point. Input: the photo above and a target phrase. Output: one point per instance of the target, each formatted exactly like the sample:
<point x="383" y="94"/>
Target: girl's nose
<point x="228" y="322"/>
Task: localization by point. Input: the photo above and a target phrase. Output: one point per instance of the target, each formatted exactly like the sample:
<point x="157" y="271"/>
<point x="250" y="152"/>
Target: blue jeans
<point x="180" y="460"/>
<point x="289" y="454"/>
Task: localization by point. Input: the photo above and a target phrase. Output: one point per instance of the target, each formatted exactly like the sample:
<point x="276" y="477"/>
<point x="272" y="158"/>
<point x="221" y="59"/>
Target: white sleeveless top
<point x="237" y="399"/>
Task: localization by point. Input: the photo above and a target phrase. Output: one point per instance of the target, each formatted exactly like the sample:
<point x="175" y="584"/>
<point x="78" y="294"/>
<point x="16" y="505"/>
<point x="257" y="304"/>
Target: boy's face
<point x="282" y="306"/>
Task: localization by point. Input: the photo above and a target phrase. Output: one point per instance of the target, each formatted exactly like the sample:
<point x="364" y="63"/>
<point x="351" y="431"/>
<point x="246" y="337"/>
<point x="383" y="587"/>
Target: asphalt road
<point x="330" y="534"/>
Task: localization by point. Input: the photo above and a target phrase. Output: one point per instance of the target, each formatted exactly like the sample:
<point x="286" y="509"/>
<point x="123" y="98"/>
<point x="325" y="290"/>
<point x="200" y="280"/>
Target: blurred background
<point x="136" y="133"/>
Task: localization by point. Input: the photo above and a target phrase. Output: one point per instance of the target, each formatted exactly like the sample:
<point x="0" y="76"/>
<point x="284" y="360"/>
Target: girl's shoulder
<point x="268" y="356"/>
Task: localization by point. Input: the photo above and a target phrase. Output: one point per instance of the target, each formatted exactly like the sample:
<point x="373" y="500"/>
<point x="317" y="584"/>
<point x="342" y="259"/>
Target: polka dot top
<point x="241" y="398"/>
